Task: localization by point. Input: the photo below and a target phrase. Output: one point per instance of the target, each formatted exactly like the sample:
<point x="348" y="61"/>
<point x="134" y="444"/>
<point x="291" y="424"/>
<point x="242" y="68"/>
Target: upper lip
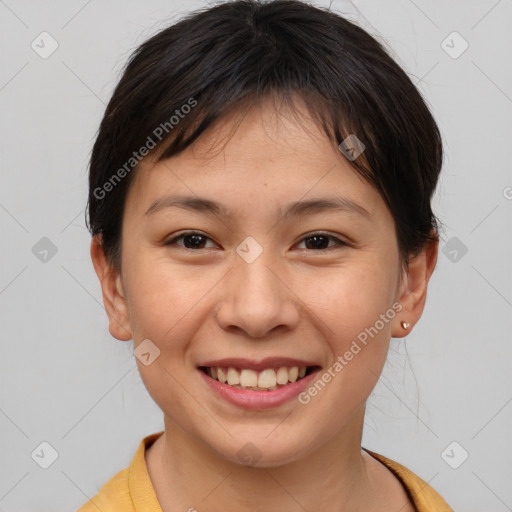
<point x="262" y="364"/>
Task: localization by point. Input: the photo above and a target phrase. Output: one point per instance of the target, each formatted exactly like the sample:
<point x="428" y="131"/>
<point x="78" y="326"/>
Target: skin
<point x="294" y="300"/>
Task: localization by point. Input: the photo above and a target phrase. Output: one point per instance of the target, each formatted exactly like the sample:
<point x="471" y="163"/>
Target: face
<point x="257" y="283"/>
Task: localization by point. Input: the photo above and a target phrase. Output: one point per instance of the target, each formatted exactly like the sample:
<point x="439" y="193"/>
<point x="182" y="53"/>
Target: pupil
<point x="195" y="244"/>
<point x="316" y="244"/>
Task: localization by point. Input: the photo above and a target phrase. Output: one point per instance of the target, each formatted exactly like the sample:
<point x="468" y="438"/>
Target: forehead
<point x="260" y="158"/>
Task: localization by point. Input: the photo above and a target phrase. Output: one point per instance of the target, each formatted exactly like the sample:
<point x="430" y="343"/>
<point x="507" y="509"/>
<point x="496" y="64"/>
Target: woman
<point x="260" y="193"/>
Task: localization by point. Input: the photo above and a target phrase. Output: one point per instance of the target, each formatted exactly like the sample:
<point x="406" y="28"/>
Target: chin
<point x="261" y="449"/>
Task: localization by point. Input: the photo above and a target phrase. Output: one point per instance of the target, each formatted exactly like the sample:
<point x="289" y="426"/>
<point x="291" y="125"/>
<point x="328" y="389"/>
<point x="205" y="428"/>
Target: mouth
<point x="258" y="385"/>
<point x="265" y="379"/>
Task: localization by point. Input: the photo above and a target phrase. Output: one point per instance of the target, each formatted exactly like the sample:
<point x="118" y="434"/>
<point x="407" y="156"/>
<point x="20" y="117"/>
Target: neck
<point x="333" y="477"/>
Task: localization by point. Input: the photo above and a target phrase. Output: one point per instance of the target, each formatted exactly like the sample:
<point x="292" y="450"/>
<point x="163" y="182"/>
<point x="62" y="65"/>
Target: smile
<point x="268" y="379"/>
<point x="258" y="384"/>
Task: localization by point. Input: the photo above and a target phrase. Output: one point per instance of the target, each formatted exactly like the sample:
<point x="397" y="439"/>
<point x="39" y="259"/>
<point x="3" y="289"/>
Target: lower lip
<point x="249" y="399"/>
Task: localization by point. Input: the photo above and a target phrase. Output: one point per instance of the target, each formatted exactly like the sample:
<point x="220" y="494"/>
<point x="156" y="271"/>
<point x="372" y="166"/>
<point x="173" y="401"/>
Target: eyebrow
<point x="296" y="209"/>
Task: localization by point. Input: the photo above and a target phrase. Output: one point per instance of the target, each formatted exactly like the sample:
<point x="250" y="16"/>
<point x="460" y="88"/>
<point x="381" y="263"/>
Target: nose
<point x="258" y="299"/>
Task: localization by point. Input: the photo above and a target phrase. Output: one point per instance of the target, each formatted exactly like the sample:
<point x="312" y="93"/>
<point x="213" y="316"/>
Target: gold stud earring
<point x="405" y="325"/>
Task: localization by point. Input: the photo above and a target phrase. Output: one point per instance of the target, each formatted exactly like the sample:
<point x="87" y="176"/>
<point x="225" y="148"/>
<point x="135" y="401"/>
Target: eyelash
<point x="311" y="235"/>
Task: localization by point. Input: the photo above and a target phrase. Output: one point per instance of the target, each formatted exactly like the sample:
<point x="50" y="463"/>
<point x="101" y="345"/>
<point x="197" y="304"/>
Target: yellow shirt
<point x="131" y="489"/>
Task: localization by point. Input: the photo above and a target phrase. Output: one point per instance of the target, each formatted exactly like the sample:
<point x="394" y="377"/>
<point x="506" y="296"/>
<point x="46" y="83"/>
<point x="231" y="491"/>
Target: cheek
<point x="164" y="297"/>
<point x="168" y="305"/>
<point x="352" y="298"/>
<point x="355" y="307"/>
<point x="165" y="308"/>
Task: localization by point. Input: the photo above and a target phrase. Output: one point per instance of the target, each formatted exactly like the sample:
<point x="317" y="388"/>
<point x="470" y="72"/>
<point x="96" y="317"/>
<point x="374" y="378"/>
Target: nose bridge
<point x="257" y="283"/>
<point x="257" y="300"/>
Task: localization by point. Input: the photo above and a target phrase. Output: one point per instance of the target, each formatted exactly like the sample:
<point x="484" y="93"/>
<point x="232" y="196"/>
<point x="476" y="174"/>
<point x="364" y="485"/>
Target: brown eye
<point x="315" y="241"/>
<point x="320" y="241"/>
<point x="191" y="240"/>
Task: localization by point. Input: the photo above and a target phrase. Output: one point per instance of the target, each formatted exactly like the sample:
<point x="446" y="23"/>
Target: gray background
<point x="65" y="381"/>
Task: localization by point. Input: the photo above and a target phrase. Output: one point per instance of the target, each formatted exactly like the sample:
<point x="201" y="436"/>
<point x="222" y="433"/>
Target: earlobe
<point x="413" y="292"/>
<point x="113" y="292"/>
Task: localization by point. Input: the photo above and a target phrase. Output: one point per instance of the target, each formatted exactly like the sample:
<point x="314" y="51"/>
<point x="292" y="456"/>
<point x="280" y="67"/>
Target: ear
<point x="113" y="293"/>
<point x="413" y="290"/>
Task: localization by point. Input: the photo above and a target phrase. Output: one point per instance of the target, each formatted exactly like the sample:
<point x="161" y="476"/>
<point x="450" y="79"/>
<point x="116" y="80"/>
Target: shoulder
<point x="423" y="496"/>
<point x="113" y="496"/>
<point x="130" y="490"/>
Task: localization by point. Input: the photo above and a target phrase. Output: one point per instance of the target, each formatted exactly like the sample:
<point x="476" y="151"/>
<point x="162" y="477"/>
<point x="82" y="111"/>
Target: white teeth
<point x="221" y="376"/>
<point x="248" y="378"/>
<point x="282" y="376"/>
<point x="293" y="374"/>
<point x="233" y="377"/>
<point x="267" y="379"/>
